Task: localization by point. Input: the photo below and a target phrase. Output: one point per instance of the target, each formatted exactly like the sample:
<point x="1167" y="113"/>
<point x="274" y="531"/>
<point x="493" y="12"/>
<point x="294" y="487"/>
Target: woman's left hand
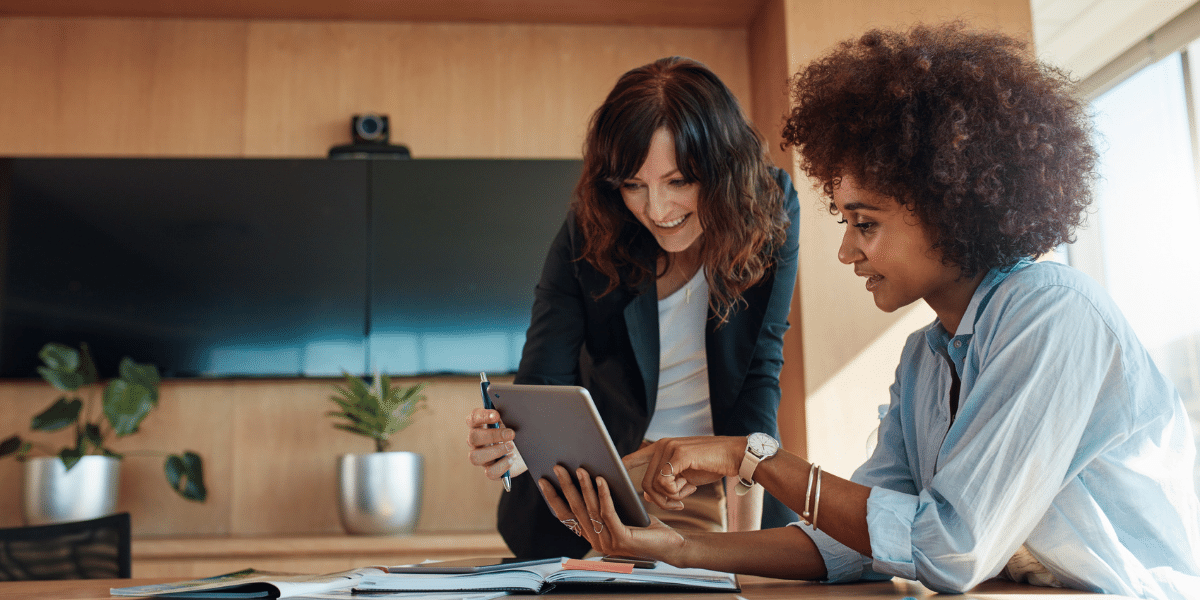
<point x="675" y="467"/>
<point x="588" y="510"/>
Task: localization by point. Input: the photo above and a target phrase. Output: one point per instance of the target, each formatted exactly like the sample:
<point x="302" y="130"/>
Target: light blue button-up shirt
<point x="1067" y="440"/>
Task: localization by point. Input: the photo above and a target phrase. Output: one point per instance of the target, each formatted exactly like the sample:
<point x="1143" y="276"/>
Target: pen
<point x="487" y="403"/>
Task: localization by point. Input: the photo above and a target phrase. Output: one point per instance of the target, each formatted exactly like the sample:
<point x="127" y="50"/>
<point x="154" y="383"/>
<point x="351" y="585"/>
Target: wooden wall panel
<point x="768" y="39"/>
<point x="454" y="90"/>
<point x="161" y="87"/>
<point x="287" y="452"/>
<point x="669" y="13"/>
<point x="121" y="87"/>
<point x="190" y="417"/>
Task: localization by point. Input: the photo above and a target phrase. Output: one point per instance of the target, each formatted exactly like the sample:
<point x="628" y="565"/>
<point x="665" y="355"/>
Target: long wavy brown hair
<point x="741" y="207"/>
<point x="987" y="146"/>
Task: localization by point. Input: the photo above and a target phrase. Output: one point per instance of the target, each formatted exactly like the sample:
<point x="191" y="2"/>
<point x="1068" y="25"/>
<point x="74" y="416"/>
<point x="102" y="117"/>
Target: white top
<point x="682" y="408"/>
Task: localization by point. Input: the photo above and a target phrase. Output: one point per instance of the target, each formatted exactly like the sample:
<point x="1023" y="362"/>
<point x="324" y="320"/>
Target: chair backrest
<point x="93" y="549"/>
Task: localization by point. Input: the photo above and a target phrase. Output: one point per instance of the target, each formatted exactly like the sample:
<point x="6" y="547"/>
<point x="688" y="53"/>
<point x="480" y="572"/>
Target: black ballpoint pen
<point x="487" y="403"/>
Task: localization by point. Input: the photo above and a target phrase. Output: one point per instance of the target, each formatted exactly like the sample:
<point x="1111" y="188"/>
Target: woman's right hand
<point x="493" y="448"/>
<point x="586" y="508"/>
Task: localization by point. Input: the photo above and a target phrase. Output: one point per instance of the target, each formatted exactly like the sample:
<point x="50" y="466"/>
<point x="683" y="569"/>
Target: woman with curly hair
<point x="665" y="293"/>
<point x="1029" y="435"/>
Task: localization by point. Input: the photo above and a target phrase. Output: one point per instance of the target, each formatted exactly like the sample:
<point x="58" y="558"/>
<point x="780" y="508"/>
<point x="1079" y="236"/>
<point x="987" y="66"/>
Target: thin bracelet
<point x="817" y="502"/>
<point x="812" y="468"/>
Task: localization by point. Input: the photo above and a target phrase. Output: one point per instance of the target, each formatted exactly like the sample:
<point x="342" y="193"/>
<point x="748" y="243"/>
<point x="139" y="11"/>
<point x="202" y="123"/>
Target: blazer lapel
<point x="641" y="319"/>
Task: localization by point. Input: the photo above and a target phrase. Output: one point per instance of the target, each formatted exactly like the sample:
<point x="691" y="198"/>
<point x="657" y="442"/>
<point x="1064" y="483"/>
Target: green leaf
<point x="59" y="415"/>
<point x="92" y="436"/>
<point x="173" y="467"/>
<point x="67" y="381"/>
<point x="87" y="366"/>
<point x="357" y="387"/>
<point x="145" y="375"/>
<point x="377" y="411"/>
<point x="353" y="429"/>
<point x="360" y="415"/>
<point x="10" y="446"/>
<point x="62" y="367"/>
<point x="125" y="405"/>
<point x="59" y="357"/>
<point x="185" y="474"/>
<point x="70" y="456"/>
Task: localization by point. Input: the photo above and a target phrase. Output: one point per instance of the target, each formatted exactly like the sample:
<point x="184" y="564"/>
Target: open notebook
<point x="568" y="573"/>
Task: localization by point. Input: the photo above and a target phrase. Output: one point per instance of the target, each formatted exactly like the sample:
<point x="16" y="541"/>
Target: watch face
<point x="762" y="444"/>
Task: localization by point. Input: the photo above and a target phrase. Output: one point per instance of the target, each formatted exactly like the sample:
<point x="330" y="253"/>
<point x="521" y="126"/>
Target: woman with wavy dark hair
<point x="1029" y="434"/>
<point x="665" y="294"/>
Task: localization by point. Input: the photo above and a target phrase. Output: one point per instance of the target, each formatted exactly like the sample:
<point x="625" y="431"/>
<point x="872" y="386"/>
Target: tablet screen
<point x="559" y="425"/>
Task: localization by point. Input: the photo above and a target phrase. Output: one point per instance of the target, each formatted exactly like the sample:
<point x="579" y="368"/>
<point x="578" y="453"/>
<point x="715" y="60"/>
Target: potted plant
<point x="79" y="480"/>
<point x="380" y="492"/>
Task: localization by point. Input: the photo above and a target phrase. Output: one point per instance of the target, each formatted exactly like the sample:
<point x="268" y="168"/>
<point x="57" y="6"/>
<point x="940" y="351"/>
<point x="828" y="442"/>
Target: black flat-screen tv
<point x="276" y="267"/>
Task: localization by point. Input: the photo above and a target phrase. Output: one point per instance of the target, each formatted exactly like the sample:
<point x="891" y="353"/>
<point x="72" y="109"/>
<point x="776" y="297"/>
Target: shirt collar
<point x="939" y="339"/>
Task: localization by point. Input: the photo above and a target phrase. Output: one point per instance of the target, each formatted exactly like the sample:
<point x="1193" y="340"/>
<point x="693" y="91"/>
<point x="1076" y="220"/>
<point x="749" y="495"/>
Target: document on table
<point x="539" y="579"/>
<point x="250" y="583"/>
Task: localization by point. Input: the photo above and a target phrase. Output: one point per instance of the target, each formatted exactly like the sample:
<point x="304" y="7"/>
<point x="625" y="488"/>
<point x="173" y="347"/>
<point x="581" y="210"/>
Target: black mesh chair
<point x="94" y="549"/>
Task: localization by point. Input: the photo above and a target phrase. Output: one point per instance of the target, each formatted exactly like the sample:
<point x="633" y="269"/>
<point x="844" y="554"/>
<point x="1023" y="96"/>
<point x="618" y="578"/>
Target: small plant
<point x="379" y="411"/>
<point x="124" y="403"/>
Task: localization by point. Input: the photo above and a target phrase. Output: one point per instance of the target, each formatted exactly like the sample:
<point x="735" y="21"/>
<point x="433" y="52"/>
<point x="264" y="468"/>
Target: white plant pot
<point x="380" y="493"/>
<point x="55" y="495"/>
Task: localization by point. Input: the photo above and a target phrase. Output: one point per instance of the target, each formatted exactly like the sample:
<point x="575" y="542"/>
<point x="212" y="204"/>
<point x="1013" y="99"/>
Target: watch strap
<point x="749" y="464"/>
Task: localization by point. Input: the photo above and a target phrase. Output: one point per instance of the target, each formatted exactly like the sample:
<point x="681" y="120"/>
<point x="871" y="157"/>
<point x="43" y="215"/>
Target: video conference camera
<point x="371" y="136"/>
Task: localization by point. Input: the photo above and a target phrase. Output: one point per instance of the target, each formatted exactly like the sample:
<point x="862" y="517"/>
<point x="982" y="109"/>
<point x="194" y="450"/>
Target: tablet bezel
<point x="559" y="424"/>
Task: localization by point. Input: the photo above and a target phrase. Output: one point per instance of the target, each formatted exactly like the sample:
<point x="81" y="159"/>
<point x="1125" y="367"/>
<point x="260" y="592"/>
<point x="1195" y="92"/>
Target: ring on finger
<point x="597" y="522"/>
<point x="670" y="469"/>
<point x="573" y="525"/>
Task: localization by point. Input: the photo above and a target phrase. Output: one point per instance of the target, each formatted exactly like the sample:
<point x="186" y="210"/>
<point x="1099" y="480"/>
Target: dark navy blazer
<point x="610" y="345"/>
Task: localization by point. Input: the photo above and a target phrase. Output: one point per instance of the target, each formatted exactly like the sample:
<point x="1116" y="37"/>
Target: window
<point x="1142" y="240"/>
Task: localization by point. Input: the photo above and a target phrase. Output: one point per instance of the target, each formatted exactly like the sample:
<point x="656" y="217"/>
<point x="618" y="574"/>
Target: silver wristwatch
<point x="759" y="447"/>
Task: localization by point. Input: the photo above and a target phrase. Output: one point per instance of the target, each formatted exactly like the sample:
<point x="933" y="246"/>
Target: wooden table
<point x="753" y="588"/>
<point x="191" y="558"/>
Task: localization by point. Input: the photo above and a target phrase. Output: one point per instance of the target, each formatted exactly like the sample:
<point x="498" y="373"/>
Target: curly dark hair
<point x="985" y="145"/>
<point x="740" y="207"/>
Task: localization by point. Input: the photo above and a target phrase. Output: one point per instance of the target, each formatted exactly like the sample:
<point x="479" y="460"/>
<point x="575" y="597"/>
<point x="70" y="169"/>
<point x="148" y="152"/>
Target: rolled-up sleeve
<point x="842" y="564"/>
<point x="890" y="517"/>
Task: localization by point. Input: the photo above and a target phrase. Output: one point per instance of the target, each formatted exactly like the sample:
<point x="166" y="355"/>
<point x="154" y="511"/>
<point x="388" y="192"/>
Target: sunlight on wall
<point x="845" y="406"/>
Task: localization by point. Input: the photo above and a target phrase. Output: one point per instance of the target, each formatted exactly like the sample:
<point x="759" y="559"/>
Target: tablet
<point x="559" y="425"/>
<point x="472" y="565"/>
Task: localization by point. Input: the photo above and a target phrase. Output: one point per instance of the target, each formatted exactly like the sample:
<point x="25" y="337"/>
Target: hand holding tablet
<point x="559" y="425"/>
